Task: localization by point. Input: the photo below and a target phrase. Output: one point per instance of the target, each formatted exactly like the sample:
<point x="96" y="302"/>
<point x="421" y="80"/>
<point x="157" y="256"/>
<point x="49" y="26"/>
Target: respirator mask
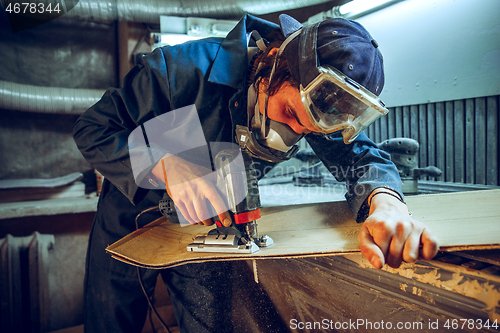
<point x="263" y="137"/>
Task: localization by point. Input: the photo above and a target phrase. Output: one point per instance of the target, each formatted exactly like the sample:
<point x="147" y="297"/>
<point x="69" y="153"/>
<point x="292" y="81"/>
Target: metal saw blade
<point x="221" y="244"/>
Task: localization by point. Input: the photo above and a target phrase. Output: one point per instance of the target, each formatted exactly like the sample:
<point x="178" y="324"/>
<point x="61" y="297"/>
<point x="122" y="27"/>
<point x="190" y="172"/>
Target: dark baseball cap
<point x="343" y="44"/>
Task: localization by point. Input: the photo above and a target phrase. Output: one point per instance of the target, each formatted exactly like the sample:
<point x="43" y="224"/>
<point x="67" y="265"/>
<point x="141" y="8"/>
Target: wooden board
<point x="40" y="183"/>
<point x="16" y="190"/>
<point x="461" y="221"/>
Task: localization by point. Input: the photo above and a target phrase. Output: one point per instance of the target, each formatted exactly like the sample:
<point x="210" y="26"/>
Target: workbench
<point x="323" y="284"/>
<point x="344" y="293"/>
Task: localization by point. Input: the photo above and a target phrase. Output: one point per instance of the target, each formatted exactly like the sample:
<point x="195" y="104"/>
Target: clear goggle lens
<point x="334" y="102"/>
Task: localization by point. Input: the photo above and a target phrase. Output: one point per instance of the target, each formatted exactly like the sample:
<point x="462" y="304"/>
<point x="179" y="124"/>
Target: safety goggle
<point x="335" y="102"/>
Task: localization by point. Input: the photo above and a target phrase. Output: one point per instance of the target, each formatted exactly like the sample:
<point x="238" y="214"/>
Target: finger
<point x="369" y="249"/>
<point x="395" y="255"/>
<point x="207" y="222"/>
<point x="412" y="246"/>
<point x="191" y="211"/>
<point x="382" y="236"/>
<point x="219" y="206"/>
<point x="430" y="244"/>
<point x="202" y="212"/>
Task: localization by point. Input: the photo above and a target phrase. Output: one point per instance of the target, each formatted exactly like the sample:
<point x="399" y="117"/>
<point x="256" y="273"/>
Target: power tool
<point x="237" y="184"/>
<point x="404" y="154"/>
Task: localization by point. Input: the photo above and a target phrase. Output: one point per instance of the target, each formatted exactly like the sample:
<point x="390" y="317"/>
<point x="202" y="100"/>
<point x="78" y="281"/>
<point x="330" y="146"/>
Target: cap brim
<point x="288" y="24"/>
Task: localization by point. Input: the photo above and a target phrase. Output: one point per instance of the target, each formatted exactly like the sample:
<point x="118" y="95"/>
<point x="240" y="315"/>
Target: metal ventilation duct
<point x="24" y="97"/>
<point x="150" y="11"/>
<point x="21" y="97"/>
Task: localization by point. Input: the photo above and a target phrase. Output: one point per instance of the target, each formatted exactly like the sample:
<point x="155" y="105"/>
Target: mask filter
<point x="265" y="138"/>
<point x="273" y="135"/>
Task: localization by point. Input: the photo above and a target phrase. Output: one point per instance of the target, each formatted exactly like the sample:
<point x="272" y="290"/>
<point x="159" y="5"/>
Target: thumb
<point x="225" y="219"/>
<point x="369" y="249"/>
<point x="219" y="206"/>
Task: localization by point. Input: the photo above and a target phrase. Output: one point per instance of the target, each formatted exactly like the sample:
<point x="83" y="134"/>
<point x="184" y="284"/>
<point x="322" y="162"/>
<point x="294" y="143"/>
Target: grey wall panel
<point x="480" y="140"/>
<point x="460" y="137"/>
<point x="492" y="112"/>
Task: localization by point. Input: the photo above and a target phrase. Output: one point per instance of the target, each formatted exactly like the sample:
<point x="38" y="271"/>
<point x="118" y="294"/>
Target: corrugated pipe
<point x="75" y="101"/>
<point x="22" y="97"/>
<point x="150" y="11"/>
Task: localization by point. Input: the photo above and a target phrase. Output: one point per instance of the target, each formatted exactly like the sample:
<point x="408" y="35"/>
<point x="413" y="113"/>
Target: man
<point x="238" y="85"/>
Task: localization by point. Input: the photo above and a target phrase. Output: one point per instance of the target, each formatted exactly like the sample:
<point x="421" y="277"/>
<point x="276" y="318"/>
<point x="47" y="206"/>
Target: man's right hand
<point x="190" y="186"/>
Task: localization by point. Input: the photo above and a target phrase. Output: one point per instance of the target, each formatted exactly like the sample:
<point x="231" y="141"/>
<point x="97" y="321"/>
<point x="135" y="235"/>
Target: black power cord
<point x="151" y="305"/>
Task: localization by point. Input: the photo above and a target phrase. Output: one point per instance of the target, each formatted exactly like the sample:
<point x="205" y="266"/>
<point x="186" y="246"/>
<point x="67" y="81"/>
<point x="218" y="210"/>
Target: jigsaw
<point x="237" y="183"/>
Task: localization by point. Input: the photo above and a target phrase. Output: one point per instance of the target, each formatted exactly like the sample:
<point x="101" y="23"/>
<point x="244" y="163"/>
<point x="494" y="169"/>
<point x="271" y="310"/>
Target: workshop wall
<point x="442" y="66"/>
<point x="436" y="51"/>
<point x="80" y="55"/>
<point x="459" y="137"/>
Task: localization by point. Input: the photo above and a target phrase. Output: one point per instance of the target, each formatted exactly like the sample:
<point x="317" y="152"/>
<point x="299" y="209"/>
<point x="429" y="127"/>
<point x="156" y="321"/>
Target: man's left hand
<point x="390" y="235"/>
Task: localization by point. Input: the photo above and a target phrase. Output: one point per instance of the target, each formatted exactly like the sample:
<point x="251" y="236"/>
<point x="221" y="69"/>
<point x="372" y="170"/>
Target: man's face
<point x="285" y="106"/>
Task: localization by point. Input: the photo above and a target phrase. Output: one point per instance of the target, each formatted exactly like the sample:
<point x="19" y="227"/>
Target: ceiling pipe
<point x="23" y="97"/>
<point x="150" y="11"/>
<point x="362" y="8"/>
<point x="31" y="98"/>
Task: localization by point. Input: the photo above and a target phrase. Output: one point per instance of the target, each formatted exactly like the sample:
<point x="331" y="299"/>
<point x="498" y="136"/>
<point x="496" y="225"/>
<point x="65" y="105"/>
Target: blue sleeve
<point x="102" y="132"/>
<point x="361" y="164"/>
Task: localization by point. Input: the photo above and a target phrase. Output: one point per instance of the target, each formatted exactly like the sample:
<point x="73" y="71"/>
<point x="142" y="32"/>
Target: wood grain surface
<point x="461" y="221"/>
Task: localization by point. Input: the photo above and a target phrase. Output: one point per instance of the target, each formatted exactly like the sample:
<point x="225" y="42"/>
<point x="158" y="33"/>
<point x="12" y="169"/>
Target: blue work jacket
<point x="212" y="75"/>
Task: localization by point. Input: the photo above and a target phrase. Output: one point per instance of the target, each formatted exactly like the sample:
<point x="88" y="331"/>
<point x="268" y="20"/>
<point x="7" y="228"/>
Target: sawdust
<point x="463" y="281"/>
